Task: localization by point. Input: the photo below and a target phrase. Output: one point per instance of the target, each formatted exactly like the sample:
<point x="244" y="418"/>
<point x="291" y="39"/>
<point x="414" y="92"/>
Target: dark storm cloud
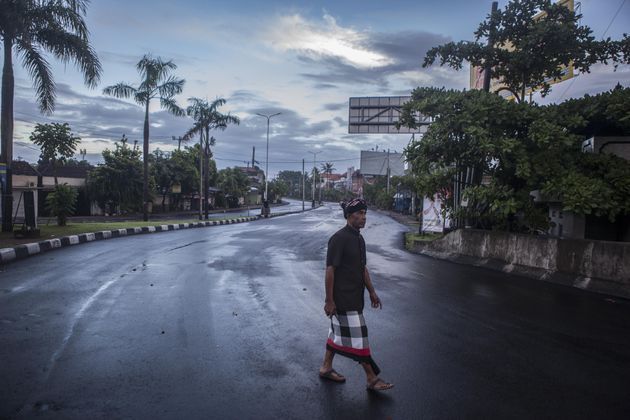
<point x="335" y="106"/>
<point x="325" y="86"/>
<point x="405" y="50"/>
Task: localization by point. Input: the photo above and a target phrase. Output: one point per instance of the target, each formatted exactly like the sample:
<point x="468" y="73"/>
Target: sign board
<point x="376" y="163"/>
<point x="379" y="115"/>
<point x="432" y="220"/>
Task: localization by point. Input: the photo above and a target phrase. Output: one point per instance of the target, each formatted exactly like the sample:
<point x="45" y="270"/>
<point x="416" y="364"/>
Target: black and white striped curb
<point x="23" y="251"/>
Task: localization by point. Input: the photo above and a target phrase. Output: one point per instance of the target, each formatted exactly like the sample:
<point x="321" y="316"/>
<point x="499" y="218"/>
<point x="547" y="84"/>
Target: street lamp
<point x="314" y="155"/>
<point x="267" y="159"/>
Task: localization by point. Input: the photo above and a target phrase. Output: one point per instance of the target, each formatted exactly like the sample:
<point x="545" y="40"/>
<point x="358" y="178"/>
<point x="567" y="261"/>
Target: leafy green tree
<point x="185" y="168"/>
<point x="207" y="117"/>
<point x="162" y="172"/>
<point x="328" y="168"/>
<point x="528" y="53"/>
<point x="157" y="83"/>
<point x="116" y="185"/>
<point x="519" y="148"/>
<point x="375" y="193"/>
<point x="234" y="184"/>
<point x="277" y="190"/>
<point x="28" y="28"/>
<point x="62" y="203"/>
<point x="56" y="142"/>
<point x="293" y="180"/>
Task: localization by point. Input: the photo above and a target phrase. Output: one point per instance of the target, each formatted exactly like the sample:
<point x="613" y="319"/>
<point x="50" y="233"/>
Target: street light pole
<point x="267" y="159"/>
<point x="313" y="192"/>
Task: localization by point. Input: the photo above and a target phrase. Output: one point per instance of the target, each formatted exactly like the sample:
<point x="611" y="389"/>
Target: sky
<point x="303" y="59"/>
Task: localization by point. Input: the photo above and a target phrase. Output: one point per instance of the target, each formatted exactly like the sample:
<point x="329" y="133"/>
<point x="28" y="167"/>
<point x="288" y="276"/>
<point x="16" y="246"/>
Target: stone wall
<point x="594" y="265"/>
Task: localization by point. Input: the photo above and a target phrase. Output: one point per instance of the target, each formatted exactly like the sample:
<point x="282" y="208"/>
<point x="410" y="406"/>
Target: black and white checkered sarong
<point x="348" y="336"/>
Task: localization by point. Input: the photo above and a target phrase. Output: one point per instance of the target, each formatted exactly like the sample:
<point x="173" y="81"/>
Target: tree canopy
<point x="116" y="185"/>
<point x="56" y="142"/>
<point x="527" y="52"/>
<point x="519" y="148"/>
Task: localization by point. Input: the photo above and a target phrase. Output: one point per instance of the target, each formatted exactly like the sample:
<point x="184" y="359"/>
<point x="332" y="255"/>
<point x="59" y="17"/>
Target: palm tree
<point x="207" y="117"/>
<point x="157" y="83"/>
<point x="30" y="28"/>
<point x="327" y="168"/>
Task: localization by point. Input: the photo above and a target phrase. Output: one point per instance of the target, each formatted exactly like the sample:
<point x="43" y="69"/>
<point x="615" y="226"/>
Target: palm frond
<point x="171" y="87"/>
<point x="197" y="128"/>
<point x="154" y="69"/>
<point x="171" y="106"/>
<point x="55" y="14"/>
<point x="70" y="47"/>
<point x="39" y="70"/>
<point x="120" y="90"/>
<point x="217" y="103"/>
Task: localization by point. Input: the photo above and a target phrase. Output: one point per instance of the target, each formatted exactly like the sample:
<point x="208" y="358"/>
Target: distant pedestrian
<point x="346" y="279"/>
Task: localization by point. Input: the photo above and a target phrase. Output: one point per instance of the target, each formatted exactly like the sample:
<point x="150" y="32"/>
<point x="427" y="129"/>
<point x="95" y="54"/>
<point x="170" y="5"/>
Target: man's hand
<point x="376" y="301"/>
<point x="330" y="308"/>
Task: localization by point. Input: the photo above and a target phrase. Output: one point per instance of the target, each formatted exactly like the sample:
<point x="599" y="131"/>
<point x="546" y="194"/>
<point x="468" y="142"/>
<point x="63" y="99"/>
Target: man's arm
<point x="376" y="301"/>
<point x="329" y="306"/>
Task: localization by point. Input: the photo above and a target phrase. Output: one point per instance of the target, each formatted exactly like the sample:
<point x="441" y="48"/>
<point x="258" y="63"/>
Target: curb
<point x="19" y="252"/>
<point x="588" y="284"/>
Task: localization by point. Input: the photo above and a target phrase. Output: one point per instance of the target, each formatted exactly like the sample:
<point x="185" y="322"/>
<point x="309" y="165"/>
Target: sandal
<point x="379" y="385"/>
<point x="332" y="375"/>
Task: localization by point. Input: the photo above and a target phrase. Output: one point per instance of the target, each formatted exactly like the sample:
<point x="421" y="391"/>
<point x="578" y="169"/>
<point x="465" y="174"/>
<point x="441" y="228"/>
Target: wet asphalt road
<point x="228" y="323"/>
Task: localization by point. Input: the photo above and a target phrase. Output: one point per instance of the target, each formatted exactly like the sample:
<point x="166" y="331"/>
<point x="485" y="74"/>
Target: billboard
<point x="477" y="72"/>
<point x="379" y="115"/>
<point x="376" y="163"/>
<point x="432" y="220"/>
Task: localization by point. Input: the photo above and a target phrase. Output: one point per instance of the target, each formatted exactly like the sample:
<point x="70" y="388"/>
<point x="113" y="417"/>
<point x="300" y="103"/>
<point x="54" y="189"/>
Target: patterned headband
<point x="354" y="205"/>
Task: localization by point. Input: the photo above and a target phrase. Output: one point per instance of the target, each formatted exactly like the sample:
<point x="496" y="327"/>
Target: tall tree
<point x="116" y="185"/>
<point x="527" y="52"/>
<point x="207" y="117"/>
<point x="29" y="28"/>
<point x="157" y="83"/>
<point x="57" y="144"/>
<point x="328" y="168"/>
<point x="234" y="184"/>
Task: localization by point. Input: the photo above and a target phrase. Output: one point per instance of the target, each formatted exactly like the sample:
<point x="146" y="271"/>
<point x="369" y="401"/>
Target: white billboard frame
<point x="379" y="115"/>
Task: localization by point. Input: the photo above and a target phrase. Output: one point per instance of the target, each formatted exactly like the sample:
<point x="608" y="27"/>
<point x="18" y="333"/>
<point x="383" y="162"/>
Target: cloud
<point x="396" y="57"/>
<point x="311" y="39"/>
<point x="335" y="106"/>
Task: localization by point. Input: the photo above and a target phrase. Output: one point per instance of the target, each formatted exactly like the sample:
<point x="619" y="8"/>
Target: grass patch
<point x="411" y="238"/>
<point x="53" y="231"/>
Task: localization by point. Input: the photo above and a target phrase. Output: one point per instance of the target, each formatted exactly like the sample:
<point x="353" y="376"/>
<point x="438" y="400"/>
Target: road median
<point x="10" y="254"/>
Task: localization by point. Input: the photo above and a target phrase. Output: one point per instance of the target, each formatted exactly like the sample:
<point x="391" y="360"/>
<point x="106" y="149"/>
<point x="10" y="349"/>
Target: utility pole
<point x="200" y="175"/>
<point x="303" y="185"/>
<point x="179" y="142"/>
<point x="387" y="171"/>
<point x="313" y="192"/>
<point x="253" y="155"/>
<point x="487" y="68"/>
<point x="206" y="167"/>
<point x="267" y="160"/>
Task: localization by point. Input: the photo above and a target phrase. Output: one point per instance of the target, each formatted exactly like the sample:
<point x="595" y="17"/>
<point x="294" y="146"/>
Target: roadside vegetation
<point x="411" y="238"/>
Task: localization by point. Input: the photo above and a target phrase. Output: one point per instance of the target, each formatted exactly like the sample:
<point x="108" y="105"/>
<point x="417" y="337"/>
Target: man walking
<point x="347" y="278"/>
